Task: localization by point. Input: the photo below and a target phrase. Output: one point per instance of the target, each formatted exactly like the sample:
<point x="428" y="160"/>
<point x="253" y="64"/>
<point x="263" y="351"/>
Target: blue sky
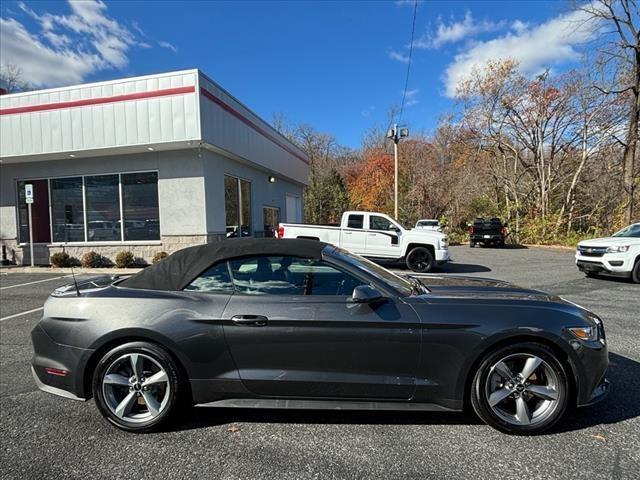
<point x="339" y="66"/>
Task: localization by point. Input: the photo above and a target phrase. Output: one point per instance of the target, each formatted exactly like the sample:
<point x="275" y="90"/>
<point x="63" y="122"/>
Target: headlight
<point x="621" y="249"/>
<point x="444" y="243"/>
<point x="586" y="334"/>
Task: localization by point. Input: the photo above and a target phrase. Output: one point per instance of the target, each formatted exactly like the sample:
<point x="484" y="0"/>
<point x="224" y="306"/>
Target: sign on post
<point x="28" y="195"/>
<point x="28" y="192"/>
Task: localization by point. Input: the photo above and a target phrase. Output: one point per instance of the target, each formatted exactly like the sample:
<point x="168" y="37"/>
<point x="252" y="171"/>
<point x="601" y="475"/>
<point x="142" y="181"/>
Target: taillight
<point x="503" y="230"/>
<point x="472" y="230"/>
<point x="280" y="231"/>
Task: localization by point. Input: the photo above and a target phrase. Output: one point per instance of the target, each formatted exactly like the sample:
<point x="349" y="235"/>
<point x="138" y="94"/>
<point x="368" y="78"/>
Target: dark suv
<point x="488" y="232"/>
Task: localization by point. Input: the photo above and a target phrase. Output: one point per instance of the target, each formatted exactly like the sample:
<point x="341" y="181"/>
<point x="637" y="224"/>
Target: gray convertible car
<point x="301" y="324"/>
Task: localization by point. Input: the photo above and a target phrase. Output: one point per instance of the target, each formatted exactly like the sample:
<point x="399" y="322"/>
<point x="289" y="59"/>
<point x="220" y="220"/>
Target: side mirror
<point x="365" y="294"/>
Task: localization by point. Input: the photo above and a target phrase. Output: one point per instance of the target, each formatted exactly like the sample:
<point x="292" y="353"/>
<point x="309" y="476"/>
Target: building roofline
<point x="97" y="84"/>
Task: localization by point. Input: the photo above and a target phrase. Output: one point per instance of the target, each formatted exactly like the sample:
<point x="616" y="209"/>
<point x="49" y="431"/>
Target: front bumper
<point x="442" y="256"/>
<point x="590" y="368"/>
<point x="610" y="263"/>
<point x="51" y="355"/>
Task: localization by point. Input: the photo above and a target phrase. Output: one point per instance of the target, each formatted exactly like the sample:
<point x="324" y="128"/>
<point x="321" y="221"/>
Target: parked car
<point x="378" y="236"/>
<point x="617" y="255"/>
<point x="490" y="231"/>
<point x="429" y="224"/>
<point x="268" y="323"/>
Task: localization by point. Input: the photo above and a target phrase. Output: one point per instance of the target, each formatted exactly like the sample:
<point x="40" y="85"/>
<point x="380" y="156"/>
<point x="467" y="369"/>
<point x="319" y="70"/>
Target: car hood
<point x="609" y="241"/>
<point x="480" y="288"/>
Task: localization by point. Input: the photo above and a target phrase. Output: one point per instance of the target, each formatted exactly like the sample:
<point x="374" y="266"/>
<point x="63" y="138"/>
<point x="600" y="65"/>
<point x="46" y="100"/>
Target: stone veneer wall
<point x="42" y="252"/>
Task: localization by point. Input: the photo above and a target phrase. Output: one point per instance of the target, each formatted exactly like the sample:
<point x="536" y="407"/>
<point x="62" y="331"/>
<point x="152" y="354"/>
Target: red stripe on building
<point x="98" y="101"/>
<point x="251" y="124"/>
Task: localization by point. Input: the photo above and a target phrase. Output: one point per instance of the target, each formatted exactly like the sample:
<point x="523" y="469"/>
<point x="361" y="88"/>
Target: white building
<point x="145" y="164"/>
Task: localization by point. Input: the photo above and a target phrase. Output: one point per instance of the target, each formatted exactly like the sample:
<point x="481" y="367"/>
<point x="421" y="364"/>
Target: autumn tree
<point x="617" y="24"/>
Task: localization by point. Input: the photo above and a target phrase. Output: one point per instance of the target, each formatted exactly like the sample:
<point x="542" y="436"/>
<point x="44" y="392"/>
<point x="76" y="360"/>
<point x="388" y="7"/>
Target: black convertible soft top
<point x="178" y="270"/>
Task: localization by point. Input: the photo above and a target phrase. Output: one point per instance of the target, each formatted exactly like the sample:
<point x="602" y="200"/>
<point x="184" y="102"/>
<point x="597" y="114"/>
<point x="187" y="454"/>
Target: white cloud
<point x="410" y="97"/>
<point x="398" y="56"/>
<point x="69" y="47"/>
<point x="456" y="31"/>
<point x="534" y="47"/>
<point x="168" y="46"/>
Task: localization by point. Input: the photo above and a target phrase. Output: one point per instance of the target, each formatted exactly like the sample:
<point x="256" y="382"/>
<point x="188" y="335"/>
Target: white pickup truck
<point x="617" y="255"/>
<point x="378" y="236"/>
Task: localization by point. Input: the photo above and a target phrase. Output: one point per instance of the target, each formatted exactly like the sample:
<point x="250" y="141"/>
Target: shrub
<point x="159" y="256"/>
<point x="92" y="259"/>
<point x="125" y="259"/>
<point x="61" y="259"/>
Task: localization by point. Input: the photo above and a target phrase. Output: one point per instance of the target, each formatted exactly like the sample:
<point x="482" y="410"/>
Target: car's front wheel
<point x="521" y="389"/>
<point x="420" y="260"/>
<point x="136" y="386"/>
<point x="635" y="274"/>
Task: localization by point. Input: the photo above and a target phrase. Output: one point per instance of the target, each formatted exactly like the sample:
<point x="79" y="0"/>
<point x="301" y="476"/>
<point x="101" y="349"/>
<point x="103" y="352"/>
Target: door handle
<point x="347" y="233"/>
<point x="250" y="320"/>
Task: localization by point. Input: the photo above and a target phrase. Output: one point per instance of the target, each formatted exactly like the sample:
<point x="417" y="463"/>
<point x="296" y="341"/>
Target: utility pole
<point x="396" y="134"/>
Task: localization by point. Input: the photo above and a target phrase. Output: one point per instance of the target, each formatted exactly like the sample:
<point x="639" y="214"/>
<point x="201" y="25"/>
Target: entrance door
<point x="294" y="209"/>
<point x="293" y="331"/>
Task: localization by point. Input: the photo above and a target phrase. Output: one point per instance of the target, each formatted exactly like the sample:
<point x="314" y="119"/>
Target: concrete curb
<point x="67" y="271"/>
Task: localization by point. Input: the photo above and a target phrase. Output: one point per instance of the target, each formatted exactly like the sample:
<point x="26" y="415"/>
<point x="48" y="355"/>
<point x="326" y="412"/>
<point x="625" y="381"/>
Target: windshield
<point x="397" y="282"/>
<point x="632" y="231"/>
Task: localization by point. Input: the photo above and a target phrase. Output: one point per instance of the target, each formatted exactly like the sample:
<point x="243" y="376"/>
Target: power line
<point x="406" y="81"/>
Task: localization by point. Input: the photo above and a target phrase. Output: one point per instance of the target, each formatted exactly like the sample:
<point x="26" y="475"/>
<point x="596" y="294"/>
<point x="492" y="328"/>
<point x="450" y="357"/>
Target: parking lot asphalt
<point x="43" y="436"/>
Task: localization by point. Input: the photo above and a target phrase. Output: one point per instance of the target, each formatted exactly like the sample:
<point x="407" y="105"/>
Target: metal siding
<point x="129" y="122"/>
<point x="224" y="130"/>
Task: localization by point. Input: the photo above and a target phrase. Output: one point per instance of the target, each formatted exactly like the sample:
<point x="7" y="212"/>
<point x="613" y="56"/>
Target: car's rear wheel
<point x="420" y="260"/>
<point x="521" y="389"/>
<point x="472" y="244"/>
<point x="136" y="386"/>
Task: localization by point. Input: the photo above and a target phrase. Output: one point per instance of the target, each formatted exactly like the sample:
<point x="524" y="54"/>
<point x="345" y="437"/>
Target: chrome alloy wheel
<point x="522" y="389"/>
<point x="136" y="388"/>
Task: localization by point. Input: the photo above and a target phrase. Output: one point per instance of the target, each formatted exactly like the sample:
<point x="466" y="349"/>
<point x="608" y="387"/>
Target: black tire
<point x="635" y="273"/>
<point x="472" y="244"/>
<point x="479" y="397"/>
<point x="420" y="260"/>
<point x="152" y="355"/>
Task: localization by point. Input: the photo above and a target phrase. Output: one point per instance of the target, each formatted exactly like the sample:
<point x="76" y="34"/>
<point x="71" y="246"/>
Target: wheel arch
<point x="413" y="245"/>
<point x="563" y="356"/>
<point x="120" y="338"/>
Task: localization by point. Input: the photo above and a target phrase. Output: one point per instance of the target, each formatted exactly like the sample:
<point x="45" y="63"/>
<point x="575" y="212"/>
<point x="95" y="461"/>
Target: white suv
<point x="617" y="255"/>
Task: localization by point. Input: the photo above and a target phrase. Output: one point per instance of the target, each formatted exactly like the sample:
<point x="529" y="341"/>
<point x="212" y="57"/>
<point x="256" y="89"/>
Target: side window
<point x="379" y="223"/>
<point x="355" y="221"/>
<point x="263" y="275"/>
<point x="215" y="279"/>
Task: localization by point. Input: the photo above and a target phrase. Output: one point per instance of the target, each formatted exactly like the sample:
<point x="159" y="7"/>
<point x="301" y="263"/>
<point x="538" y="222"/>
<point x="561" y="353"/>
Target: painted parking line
<point x="9" y="317"/>
<point x="32" y="283"/>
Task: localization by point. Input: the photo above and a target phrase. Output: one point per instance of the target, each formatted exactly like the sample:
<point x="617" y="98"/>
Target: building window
<point x="271" y="217"/>
<point x="103" y="208"/>
<point x="237" y="205"/>
<point x="140" y="206"/>
<point x="93" y="208"/>
<point x="67" y="210"/>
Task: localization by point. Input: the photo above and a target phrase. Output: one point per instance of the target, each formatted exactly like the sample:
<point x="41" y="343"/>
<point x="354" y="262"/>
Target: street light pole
<point x="396" y="134"/>
<point x="395" y="173"/>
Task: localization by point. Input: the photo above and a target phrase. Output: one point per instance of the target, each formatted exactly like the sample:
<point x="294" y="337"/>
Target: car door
<point x="382" y="240"/>
<point x="354" y="236"/>
<point x="293" y="331"/>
